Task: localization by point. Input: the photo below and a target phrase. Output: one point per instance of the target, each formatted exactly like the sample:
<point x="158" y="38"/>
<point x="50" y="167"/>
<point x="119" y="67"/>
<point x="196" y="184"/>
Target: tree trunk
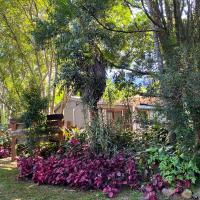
<point x="54" y="89"/>
<point x="94" y="88"/>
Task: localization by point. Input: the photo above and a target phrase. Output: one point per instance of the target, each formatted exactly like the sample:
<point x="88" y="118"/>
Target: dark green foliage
<point x="48" y="148"/>
<point x="34" y="116"/>
<point x="108" y="139"/>
<point x="150" y="137"/>
<point x="122" y="140"/>
<point x="112" y="138"/>
<point x="99" y="136"/>
<point x="171" y="165"/>
<point x="35" y="106"/>
<point x="85" y="50"/>
<point x="5" y="140"/>
<point x="22" y="149"/>
<point x="182" y="96"/>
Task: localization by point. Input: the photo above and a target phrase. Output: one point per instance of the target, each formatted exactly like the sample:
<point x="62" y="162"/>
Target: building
<point x="141" y="110"/>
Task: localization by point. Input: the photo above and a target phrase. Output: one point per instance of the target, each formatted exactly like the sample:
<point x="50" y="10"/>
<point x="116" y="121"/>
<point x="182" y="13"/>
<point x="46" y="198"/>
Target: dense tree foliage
<point x="177" y="23"/>
<point x="86" y="48"/>
<point x="74" y="43"/>
<point x="51" y="49"/>
<point x="20" y="60"/>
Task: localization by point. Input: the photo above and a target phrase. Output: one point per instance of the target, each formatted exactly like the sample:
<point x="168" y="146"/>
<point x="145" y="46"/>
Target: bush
<point x="148" y="138"/>
<point x="5" y="140"/>
<point x="109" y="139"/>
<point x="22" y="149"/>
<point x="99" y="136"/>
<point x="48" y="148"/>
<point x="4" y="152"/>
<point x="34" y="115"/>
<point x="172" y="166"/>
<point x="79" y="168"/>
<point x="35" y="105"/>
<point x="156" y="185"/>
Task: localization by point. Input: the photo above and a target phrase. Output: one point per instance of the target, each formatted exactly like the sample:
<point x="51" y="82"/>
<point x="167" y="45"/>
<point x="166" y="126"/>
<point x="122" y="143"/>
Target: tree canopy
<point x="71" y="45"/>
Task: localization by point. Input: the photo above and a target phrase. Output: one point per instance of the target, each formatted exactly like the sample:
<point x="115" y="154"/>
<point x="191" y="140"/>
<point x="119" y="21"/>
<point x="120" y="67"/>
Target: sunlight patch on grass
<point x="7" y="168"/>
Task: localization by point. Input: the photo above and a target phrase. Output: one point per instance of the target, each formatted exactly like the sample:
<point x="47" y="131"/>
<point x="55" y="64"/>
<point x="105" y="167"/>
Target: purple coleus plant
<point x="156" y="185"/>
<point x="74" y="142"/>
<point x="150" y="193"/>
<point x="181" y="185"/>
<point x="4" y="152"/>
<point x="82" y="170"/>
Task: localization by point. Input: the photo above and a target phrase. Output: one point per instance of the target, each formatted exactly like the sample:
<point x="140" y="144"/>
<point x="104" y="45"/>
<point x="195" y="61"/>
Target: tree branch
<point x="134" y="71"/>
<point x="18" y="43"/>
<point x="116" y="30"/>
<point x="149" y="16"/>
<point x="139" y="72"/>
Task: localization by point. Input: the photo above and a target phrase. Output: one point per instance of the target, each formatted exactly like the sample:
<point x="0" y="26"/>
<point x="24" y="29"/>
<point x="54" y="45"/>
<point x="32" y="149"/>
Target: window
<point x="118" y="116"/>
<point x="143" y="118"/>
<point x="113" y="115"/>
<point x="109" y="115"/>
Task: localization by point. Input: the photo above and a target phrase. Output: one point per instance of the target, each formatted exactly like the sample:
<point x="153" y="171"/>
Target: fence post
<point x="13" y="148"/>
<point x="13" y="127"/>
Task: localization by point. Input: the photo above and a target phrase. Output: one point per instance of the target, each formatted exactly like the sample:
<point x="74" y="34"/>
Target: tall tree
<point x="177" y="22"/>
<point x="20" y="59"/>
<point x="85" y="48"/>
<point x="174" y="25"/>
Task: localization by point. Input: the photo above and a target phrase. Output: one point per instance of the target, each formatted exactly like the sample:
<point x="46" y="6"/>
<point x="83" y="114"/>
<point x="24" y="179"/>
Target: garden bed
<point x="10" y="188"/>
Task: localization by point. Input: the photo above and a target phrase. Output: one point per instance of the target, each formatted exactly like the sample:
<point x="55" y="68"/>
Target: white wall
<point x="74" y="113"/>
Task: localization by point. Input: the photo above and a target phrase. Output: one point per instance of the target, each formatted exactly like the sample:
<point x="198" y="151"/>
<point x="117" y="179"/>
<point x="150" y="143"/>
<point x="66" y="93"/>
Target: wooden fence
<point x="53" y="129"/>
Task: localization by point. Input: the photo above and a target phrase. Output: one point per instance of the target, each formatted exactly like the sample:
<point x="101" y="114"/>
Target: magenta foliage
<point x="181" y="185"/>
<point x="157" y="184"/>
<point x="25" y="167"/>
<point x="74" y="141"/>
<point x="149" y="193"/>
<point x="4" y="152"/>
<point x="82" y="170"/>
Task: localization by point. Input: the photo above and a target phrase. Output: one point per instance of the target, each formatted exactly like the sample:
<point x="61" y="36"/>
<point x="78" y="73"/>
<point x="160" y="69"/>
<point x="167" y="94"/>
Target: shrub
<point x="156" y="185"/>
<point x="22" y="149"/>
<point x="143" y="140"/>
<point x="4" y="152"/>
<point x="99" y="136"/>
<point x="81" y="169"/>
<point x="34" y="115"/>
<point x="48" y="148"/>
<point x="172" y="166"/>
<point x="5" y="140"/>
<point x="34" y="105"/>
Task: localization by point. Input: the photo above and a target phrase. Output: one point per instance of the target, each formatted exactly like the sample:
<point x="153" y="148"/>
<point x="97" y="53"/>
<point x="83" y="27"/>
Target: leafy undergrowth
<point x="82" y="170"/>
<point x="12" y="189"/>
<point x="157" y="184"/>
<point x="4" y="152"/>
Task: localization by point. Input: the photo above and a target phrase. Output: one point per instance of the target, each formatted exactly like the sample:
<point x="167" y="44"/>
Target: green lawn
<point x="11" y="189"/>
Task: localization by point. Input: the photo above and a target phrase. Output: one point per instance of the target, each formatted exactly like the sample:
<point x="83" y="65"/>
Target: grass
<point x="11" y="189"/>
